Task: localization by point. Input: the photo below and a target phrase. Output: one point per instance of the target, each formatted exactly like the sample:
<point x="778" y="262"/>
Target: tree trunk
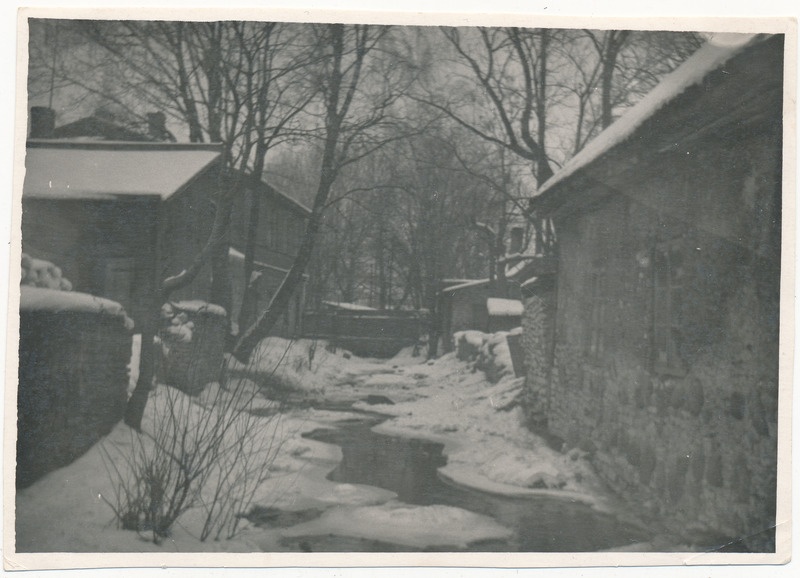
<point x="616" y="39"/>
<point x="134" y="410"/>
<point x="338" y="97"/>
<point x="280" y="301"/>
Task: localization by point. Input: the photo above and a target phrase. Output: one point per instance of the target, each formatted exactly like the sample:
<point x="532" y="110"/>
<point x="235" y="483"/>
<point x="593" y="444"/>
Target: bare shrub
<point x="208" y="453"/>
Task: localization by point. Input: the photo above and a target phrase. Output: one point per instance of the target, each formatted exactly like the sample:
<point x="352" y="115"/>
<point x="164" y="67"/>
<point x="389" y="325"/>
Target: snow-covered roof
<point x="60" y="169"/>
<point x="713" y="55"/>
<point x="348" y="306"/>
<point x="54" y="301"/>
<point x="197" y="306"/>
<point x="288" y="198"/>
<point x="239" y="256"/>
<point x="473" y="283"/>
<point x="504" y="307"/>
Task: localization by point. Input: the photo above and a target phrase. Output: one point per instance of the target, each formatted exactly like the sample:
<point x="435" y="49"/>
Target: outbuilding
<point x="666" y="340"/>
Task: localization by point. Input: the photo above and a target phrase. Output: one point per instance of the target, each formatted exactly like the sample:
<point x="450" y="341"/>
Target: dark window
<point x="669" y="276"/>
<point x="597" y="313"/>
<point x="515" y="246"/>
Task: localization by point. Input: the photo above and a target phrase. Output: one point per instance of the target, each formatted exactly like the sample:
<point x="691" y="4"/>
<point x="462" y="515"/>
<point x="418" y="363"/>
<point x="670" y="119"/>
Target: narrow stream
<point x="408" y="467"/>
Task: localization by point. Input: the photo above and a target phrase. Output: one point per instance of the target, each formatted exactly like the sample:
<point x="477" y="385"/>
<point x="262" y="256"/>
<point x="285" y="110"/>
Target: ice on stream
<point x="399" y="523"/>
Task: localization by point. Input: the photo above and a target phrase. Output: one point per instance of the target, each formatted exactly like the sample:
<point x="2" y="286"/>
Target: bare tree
<point x="354" y="120"/>
<point x="228" y="82"/>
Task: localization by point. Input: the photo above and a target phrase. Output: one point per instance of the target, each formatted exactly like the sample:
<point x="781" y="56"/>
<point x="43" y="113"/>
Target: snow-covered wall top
<point x="714" y="54"/>
<point x="41" y="273"/>
<point x="464" y="285"/>
<point x="197" y="306"/>
<point x="504" y="307"/>
<point x="348" y="306"/>
<point x="37" y="299"/>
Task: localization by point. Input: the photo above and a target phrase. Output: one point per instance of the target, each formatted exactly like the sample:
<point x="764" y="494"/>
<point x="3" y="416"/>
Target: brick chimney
<point x="516" y="240"/>
<point x="157" y="126"/>
<point x="43" y="122"/>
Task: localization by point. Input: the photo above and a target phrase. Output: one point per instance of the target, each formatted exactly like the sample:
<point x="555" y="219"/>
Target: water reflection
<point x="408" y="467"/>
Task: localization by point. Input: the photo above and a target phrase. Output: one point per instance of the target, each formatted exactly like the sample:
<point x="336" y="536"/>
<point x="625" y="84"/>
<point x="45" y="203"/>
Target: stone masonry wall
<point x="537" y="321"/>
<point x="695" y="444"/>
<point x="73" y="380"/>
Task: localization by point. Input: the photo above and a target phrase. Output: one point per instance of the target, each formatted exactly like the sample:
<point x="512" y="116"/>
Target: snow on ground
<point x="504" y="307"/>
<point x="68" y="510"/>
<point x="447" y="400"/>
<point x="482" y="427"/>
<point x="398" y="523"/>
<point x="302" y="365"/>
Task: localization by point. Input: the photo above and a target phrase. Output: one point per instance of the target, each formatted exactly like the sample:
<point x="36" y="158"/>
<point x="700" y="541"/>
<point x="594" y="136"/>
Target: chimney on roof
<point x="43" y="122"/>
<point x="157" y="125"/>
<point x="516" y="240"/>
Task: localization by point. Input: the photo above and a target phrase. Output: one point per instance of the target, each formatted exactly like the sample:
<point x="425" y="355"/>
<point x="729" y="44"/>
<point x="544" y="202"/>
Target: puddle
<point x="408" y="467"/>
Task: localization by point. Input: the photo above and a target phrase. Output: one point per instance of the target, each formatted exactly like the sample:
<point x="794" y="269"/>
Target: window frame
<point x="669" y="258"/>
<point x="594" y="339"/>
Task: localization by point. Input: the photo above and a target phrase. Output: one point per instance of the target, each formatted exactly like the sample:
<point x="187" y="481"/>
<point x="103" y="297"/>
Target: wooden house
<point x="282" y="222"/>
<point x="665" y="353"/>
<point x="120" y="217"/>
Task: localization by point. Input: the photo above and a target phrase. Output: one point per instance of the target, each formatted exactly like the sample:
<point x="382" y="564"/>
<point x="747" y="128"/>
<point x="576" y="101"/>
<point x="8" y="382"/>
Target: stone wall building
<point x="663" y="359"/>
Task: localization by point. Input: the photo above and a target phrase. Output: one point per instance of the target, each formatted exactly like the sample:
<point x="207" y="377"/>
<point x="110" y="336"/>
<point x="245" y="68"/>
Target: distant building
<point x="664" y="355"/>
<point x="476" y="304"/>
<point x="282" y="225"/>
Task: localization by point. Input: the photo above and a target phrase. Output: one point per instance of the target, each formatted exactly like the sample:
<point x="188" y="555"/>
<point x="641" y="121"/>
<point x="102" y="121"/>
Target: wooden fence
<point x="380" y="333"/>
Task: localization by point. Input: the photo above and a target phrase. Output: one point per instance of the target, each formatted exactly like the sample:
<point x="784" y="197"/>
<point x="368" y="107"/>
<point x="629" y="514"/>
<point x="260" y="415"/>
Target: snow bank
<point x="490" y="352"/>
<point x="44" y="274"/>
<point x="300" y="365"/>
<point x="483" y="429"/>
<point x="413" y="526"/>
<point x="468" y="344"/>
<point x="495" y="357"/>
<point x="197" y="306"/>
<point x="68" y="510"/>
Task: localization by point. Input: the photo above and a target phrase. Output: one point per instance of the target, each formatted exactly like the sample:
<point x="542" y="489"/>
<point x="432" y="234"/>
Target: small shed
<point x="192" y="339"/>
<point x="462" y="306"/>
